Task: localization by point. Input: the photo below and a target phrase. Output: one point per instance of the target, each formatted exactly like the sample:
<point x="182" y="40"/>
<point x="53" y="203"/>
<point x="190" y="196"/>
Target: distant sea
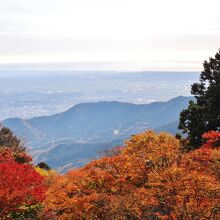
<point x="28" y="94"/>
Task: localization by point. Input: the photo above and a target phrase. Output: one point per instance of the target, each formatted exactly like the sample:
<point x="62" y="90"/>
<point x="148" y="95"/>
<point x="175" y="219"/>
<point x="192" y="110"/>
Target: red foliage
<point x="6" y="156"/>
<point x="20" y="185"/>
<point x="9" y="156"/>
<point x="212" y="139"/>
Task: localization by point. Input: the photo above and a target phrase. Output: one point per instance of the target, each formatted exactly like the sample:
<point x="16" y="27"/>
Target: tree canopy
<point x="203" y="114"/>
<point x="9" y="140"/>
<point x="151" y="178"/>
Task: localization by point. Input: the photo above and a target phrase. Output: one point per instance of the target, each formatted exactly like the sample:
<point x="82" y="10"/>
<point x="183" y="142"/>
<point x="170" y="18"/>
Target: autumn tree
<point x="212" y="139"/>
<point x="151" y="178"/>
<point x="22" y="189"/>
<point x="203" y="114"/>
<point x="11" y="144"/>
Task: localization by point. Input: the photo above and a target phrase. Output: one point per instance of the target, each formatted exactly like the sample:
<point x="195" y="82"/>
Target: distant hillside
<point x="171" y="127"/>
<point x="101" y="121"/>
<point x="92" y="123"/>
<point x="65" y="156"/>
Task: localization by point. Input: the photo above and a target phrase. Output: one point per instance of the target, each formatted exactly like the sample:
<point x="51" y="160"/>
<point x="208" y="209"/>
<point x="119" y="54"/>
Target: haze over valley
<point x="66" y="119"/>
<point x="27" y="94"/>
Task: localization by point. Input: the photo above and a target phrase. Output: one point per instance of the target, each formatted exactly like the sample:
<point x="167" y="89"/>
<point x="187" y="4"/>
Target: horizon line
<point x="90" y="66"/>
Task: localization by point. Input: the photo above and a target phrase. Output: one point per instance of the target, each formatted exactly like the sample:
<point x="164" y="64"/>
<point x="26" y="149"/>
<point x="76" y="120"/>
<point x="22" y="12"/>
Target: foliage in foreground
<point x="151" y="178"/>
<point x="22" y="188"/>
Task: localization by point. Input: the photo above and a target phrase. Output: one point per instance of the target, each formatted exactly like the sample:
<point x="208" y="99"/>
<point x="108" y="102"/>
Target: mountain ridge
<point x="90" y="126"/>
<point x="84" y="118"/>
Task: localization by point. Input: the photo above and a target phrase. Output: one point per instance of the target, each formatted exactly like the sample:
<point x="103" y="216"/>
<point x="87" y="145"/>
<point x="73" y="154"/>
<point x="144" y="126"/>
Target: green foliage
<point x="44" y="166"/>
<point x="28" y="212"/>
<point x="203" y="114"/>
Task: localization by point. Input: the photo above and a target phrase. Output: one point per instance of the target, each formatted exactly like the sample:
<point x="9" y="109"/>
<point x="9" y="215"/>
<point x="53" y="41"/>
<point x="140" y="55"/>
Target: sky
<point x="110" y="34"/>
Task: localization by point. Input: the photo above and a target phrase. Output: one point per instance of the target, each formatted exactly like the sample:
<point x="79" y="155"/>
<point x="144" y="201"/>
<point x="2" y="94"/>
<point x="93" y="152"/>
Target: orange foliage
<point x="151" y="178"/>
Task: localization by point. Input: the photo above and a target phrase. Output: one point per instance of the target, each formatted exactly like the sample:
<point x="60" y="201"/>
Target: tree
<point x="44" y="166"/>
<point x="151" y="178"/>
<point x="9" y="156"/>
<point x="212" y="139"/>
<point x="22" y="188"/>
<point x="203" y="114"/>
<point x="9" y="140"/>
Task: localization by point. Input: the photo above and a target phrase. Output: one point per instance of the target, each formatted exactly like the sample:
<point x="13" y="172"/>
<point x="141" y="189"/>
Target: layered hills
<point x="73" y="137"/>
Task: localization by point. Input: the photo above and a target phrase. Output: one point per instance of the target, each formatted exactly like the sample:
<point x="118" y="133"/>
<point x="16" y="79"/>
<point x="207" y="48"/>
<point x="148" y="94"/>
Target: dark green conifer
<point x="203" y="114"/>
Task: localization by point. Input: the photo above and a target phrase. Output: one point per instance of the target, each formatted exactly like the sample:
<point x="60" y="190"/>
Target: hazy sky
<point x="145" y="34"/>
